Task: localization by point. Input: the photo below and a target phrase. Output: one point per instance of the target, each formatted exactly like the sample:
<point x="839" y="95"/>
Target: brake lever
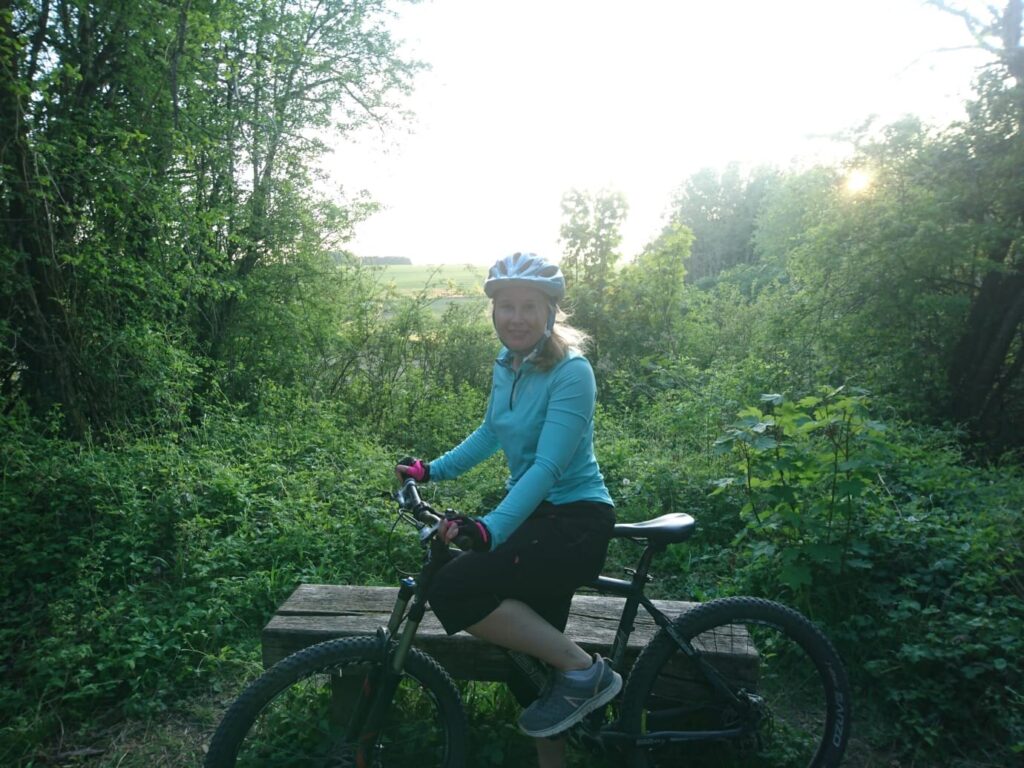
<point x="426" y="533"/>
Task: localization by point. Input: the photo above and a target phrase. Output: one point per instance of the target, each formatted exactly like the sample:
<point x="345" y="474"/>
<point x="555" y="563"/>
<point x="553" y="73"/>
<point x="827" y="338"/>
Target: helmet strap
<point x="539" y="346"/>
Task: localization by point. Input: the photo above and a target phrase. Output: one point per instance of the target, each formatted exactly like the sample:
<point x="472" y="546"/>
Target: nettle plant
<point x="809" y="474"/>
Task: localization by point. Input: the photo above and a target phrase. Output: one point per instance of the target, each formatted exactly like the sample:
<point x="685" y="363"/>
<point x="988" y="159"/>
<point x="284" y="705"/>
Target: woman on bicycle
<point x="550" y="533"/>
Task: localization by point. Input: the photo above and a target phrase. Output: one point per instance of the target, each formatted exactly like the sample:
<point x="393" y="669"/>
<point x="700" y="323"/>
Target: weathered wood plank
<point x="318" y="612"/>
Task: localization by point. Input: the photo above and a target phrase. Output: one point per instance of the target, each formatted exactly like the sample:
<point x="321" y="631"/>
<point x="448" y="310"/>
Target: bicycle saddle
<point x="667" y="529"/>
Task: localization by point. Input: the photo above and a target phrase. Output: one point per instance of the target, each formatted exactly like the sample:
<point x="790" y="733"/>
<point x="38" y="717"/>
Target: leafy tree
<point x="914" y="287"/>
<point x="590" y="234"/>
<point x="281" y="74"/>
<point x="880" y="287"/>
<point x="648" y="301"/>
<point x="988" y="357"/>
<point x="158" y="156"/>
<point x="871" y="280"/>
<point x="721" y="209"/>
<point x="90" y="281"/>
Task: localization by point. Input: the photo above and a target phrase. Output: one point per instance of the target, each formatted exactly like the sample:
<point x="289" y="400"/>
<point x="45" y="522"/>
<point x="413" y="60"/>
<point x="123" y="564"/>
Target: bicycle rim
<point x="794" y="707"/>
<point x="298" y="714"/>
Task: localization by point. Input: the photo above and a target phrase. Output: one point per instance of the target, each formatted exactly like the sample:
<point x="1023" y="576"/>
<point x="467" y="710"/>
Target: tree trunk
<point x="987" y="358"/>
<point x="984" y="359"/>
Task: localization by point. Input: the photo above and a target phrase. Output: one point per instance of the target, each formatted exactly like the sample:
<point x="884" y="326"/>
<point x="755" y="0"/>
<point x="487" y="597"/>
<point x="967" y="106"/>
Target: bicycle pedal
<point x="583" y="734"/>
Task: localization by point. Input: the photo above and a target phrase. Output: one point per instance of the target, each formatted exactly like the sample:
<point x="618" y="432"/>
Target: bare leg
<point x="550" y="753"/>
<point x="516" y="626"/>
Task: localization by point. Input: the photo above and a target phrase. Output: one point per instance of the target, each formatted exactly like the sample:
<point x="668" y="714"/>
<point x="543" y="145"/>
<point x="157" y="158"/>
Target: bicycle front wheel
<point x="789" y="700"/>
<point x="297" y="713"/>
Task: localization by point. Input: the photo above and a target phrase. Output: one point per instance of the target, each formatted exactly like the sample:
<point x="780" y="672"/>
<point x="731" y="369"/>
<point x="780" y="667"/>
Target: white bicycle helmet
<point x="526" y="269"/>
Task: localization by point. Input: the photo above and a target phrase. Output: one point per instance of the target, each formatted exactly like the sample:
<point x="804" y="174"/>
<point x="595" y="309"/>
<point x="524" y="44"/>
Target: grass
<point x="178" y="740"/>
<point x="441" y="280"/>
<point x="442" y="284"/>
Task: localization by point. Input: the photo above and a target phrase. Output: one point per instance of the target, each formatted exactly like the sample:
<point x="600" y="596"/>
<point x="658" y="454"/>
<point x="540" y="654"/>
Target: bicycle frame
<point x="743" y="670"/>
<point x="380" y="684"/>
<point x="633" y="593"/>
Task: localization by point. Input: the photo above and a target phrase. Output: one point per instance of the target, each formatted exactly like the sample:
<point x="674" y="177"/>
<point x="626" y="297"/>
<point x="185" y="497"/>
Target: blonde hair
<point x="564" y="338"/>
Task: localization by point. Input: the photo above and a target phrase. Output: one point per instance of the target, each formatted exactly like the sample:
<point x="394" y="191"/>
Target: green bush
<point x="939" y="634"/>
<point x="908" y="555"/>
<point x="136" y="574"/>
<point x="132" y="572"/>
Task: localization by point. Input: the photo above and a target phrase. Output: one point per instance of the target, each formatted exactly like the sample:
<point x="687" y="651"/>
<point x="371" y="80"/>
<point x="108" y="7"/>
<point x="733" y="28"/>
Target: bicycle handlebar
<point x="408" y="497"/>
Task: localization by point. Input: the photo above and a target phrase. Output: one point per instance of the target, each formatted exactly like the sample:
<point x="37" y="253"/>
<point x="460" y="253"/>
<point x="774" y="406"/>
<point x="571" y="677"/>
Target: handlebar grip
<point x="410" y="493"/>
<point x="421" y="510"/>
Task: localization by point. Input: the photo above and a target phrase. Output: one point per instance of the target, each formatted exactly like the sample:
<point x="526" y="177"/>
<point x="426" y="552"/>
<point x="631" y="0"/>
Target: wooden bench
<point x="318" y="612"/>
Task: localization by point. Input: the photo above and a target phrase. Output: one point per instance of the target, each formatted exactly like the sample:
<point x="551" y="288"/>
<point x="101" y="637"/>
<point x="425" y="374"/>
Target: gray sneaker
<point x="568" y="701"/>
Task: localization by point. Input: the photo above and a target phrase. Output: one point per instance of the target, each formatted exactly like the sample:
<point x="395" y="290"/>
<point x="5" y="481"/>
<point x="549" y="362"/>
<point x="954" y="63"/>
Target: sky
<point x="528" y="99"/>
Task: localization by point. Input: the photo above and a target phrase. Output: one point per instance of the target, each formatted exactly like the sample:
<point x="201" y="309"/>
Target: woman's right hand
<point x="474" y="534"/>
<point x="417" y="469"/>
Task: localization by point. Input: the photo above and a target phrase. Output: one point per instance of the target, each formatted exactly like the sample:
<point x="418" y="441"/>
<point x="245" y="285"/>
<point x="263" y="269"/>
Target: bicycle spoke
<point x="788" y="707"/>
<point x="301" y="714"/>
<point x="306" y="726"/>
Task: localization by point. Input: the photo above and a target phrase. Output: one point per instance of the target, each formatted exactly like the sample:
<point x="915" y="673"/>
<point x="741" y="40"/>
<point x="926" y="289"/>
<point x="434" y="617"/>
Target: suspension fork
<point x="369" y="687"/>
<point x="381" y="681"/>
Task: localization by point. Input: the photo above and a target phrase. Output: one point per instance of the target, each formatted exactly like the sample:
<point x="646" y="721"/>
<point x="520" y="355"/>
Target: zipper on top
<point x="515" y="380"/>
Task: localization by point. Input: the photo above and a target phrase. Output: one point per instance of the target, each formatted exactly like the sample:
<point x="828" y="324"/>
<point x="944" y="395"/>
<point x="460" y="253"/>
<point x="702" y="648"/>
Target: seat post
<point x="634" y="594"/>
<point x="644" y="566"/>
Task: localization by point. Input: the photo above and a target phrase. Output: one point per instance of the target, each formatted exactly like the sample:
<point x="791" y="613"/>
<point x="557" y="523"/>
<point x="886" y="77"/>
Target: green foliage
<point x="160" y="159"/>
<point x="912" y="558"/>
<point x="648" y="302"/>
<point x="410" y="367"/>
<point x="874" y="276"/>
<point x="174" y="299"/>
<point x="808" y="476"/>
<point x="172" y="553"/>
<point x="590" y="235"/>
<point x="721" y="210"/>
<point x="938" y="629"/>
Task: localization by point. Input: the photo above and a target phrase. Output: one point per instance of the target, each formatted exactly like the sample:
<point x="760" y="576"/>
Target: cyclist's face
<point x="520" y="317"/>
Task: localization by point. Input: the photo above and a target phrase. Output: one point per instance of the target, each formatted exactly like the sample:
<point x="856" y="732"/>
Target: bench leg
<point x="344" y="695"/>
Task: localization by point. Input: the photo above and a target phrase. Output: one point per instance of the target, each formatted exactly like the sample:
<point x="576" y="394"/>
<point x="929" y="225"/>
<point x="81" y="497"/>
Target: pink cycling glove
<point x="415" y="468"/>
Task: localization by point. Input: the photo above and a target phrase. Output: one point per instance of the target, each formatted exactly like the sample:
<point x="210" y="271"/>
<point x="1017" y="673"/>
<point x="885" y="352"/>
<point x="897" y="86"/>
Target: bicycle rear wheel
<point x="794" y="700"/>
<point x="296" y="713"/>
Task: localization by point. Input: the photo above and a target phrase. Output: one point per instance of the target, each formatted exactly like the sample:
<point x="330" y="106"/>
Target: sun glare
<point x="857" y="181"/>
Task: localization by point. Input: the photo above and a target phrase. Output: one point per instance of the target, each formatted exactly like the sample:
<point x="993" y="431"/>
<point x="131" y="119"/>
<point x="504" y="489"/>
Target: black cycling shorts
<point x="558" y="549"/>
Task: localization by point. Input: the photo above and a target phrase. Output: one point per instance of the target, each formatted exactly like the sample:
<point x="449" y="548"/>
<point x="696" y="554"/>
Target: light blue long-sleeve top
<point x="544" y="423"/>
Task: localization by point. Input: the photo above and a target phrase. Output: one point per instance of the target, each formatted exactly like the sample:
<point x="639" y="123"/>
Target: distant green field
<point x="441" y="279"/>
<point x="445" y="283"/>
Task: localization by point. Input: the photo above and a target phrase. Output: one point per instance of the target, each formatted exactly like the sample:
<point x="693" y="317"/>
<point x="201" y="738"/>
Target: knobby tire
<point x="296" y="713"/>
<point x="795" y="677"/>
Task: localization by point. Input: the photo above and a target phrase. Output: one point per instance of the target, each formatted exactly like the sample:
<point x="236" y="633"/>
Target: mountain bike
<point x="737" y="681"/>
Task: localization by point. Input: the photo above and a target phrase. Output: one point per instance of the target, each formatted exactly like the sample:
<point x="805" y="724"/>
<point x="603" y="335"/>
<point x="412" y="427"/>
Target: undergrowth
<point x="138" y="572"/>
